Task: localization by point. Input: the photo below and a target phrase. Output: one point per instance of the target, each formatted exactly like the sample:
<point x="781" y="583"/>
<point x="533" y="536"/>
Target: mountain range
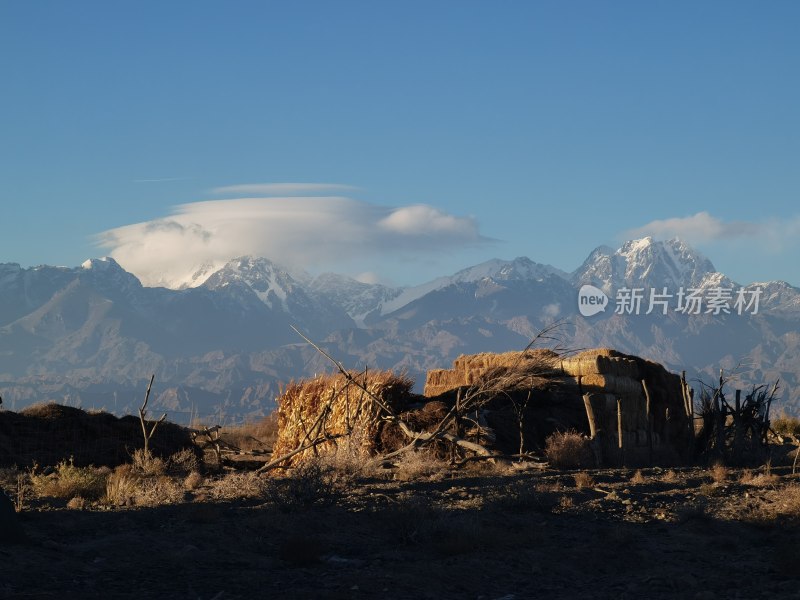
<point x="222" y="346"/>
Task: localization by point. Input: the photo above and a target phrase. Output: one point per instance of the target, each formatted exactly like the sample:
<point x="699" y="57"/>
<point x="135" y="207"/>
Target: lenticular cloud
<point x="298" y="231"/>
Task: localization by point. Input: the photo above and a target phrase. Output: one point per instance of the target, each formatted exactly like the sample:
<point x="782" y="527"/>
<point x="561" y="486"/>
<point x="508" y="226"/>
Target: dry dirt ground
<point x="482" y="534"/>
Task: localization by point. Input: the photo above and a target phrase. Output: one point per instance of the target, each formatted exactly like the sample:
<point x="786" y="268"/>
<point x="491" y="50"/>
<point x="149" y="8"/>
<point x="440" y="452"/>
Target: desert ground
<point x="417" y="528"/>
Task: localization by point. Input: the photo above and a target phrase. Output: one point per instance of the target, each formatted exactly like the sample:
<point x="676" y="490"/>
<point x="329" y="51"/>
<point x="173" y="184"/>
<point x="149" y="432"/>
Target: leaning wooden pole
<point x="688" y="403"/>
<point x="649" y="417"/>
<point x="587" y="403"/>
<point x="620" y="437"/>
<point x="594" y="441"/>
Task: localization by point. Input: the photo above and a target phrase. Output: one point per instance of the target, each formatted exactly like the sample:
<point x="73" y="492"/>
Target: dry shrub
<point x="638" y="478"/>
<point x="566" y="502"/>
<point x="122" y="486"/>
<point x="785" y="425"/>
<point x="670" y="477"/>
<point x="68" y="481"/>
<point x="17" y="485"/>
<point x="158" y="490"/>
<point x="568" y="450"/>
<point x="782" y="506"/>
<point x="583" y="480"/>
<point x="759" y="480"/>
<point x="311" y="483"/>
<point x="350" y="459"/>
<point x="148" y="464"/>
<point x="789" y="502"/>
<point x="719" y="473"/>
<point x="183" y="462"/>
<point x="710" y="490"/>
<point x="129" y="486"/>
<point x="77" y="503"/>
<point x="238" y="486"/>
<point x="193" y="480"/>
<point x="418" y="464"/>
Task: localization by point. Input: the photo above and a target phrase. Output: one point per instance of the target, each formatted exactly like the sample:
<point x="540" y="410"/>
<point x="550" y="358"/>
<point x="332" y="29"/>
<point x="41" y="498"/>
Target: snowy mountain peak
<point x="647" y="263"/>
<point x="101" y="264"/>
<point x="269" y="281"/>
<point x="360" y="300"/>
<point x="520" y="268"/>
<point x="107" y="274"/>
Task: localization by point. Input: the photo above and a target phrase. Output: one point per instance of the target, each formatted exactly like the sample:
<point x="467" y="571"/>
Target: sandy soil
<point x="479" y="535"/>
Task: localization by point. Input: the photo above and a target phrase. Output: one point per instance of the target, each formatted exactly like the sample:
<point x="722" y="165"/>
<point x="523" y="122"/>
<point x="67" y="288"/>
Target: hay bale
<point x="558" y="384"/>
<point x="439" y="381"/>
<point x="347" y="410"/>
<point x="487" y="368"/>
<point x="600" y="364"/>
<point x="621" y="386"/>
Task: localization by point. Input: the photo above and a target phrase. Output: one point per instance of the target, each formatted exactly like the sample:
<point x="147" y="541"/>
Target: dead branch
<point x="142" y="413"/>
<point x="277" y="461"/>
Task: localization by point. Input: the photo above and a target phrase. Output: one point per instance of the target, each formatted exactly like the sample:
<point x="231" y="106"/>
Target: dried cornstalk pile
<point x="319" y="413"/>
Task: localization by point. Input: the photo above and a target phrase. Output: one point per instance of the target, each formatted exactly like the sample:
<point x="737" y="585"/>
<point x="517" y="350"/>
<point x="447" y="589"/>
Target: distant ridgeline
<point x="91" y="336"/>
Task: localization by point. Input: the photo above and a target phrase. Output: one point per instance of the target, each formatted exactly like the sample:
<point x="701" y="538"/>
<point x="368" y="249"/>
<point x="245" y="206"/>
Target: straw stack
<point x="601" y="362"/>
<point x="329" y="407"/>
<point x="472" y="369"/>
<point x="610" y="384"/>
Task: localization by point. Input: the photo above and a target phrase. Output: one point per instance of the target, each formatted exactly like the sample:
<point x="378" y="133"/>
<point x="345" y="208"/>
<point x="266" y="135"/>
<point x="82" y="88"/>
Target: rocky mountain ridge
<point x="91" y="335"/>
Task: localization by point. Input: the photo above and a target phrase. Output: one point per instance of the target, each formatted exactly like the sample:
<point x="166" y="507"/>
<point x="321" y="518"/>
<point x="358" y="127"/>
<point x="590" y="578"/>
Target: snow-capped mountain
<point x="270" y="283"/>
<point x="648" y="263"/>
<point x="519" y="269"/>
<point x="362" y="301"/>
<point x="92" y="335"/>
<point x="249" y="279"/>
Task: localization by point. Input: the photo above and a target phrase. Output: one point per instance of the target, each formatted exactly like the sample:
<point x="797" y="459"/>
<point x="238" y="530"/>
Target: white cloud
<point x="696" y="229"/>
<point x="307" y="232"/>
<point x="282" y="189"/>
<point x="420" y="220"/>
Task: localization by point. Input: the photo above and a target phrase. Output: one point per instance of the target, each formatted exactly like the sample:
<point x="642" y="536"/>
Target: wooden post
<point x="688" y="403"/>
<point x="738" y="429"/>
<point x="587" y="403"/>
<point x="649" y="421"/>
<point x="595" y="441"/>
<point x="685" y="395"/>
<point x="620" y="441"/>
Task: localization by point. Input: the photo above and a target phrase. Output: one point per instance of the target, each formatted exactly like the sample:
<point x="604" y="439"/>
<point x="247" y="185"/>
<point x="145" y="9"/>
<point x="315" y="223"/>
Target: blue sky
<point x="436" y="134"/>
